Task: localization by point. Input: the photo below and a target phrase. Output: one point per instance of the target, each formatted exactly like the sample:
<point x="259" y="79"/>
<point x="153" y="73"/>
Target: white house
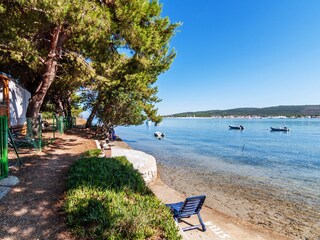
<point x="14" y="100"/>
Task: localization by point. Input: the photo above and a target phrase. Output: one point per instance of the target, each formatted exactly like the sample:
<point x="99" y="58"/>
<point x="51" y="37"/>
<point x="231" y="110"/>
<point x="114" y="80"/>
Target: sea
<point x="286" y="159"/>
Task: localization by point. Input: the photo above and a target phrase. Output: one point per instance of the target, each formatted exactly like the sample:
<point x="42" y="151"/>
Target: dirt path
<point x="33" y="208"/>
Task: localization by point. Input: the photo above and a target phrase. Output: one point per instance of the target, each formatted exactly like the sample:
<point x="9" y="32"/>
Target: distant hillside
<point x="301" y="110"/>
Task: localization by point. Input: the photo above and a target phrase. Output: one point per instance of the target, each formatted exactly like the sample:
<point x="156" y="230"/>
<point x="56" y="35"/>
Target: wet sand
<point x="273" y="208"/>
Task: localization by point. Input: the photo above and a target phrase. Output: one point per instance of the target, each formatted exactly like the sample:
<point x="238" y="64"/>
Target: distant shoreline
<point x="250" y="117"/>
<point x="288" y="111"/>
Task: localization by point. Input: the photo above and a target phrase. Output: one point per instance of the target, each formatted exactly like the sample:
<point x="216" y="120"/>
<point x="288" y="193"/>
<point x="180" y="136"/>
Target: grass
<point x="108" y="199"/>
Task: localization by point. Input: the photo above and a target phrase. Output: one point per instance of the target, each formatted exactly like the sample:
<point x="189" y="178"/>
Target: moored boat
<point x="280" y="129"/>
<point x="159" y="134"/>
<point x="240" y="127"/>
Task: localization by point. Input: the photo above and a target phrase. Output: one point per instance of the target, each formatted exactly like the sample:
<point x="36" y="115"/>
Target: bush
<point x="108" y="199"/>
<point x="92" y="153"/>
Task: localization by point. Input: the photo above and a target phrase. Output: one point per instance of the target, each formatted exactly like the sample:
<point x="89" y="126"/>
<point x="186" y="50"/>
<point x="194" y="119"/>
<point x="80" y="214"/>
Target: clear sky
<point x="242" y="53"/>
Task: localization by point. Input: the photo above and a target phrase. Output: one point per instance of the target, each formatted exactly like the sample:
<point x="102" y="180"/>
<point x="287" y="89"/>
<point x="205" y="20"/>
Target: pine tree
<point x="114" y="44"/>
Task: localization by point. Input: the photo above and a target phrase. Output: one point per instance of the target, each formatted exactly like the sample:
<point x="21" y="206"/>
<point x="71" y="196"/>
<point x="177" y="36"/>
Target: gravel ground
<point x="33" y="208"/>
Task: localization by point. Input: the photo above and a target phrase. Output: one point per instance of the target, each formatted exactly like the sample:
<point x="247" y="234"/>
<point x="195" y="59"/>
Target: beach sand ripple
<point x="276" y="208"/>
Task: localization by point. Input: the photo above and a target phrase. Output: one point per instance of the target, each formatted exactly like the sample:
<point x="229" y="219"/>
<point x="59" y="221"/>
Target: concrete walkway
<point x="144" y="163"/>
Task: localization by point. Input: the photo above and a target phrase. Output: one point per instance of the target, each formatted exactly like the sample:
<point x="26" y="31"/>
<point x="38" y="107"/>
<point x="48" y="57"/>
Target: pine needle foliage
<point x="96" y="45"/>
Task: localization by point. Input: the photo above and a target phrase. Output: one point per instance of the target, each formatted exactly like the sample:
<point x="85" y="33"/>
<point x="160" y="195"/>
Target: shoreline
<point x="252" y="205"/>
<point x="249" y="117"/>
<point x="261" y="206"/>
<point x="219" y="225"/>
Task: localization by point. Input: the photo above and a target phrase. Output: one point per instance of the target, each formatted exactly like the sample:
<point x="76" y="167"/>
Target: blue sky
<point x="249" y="53"/>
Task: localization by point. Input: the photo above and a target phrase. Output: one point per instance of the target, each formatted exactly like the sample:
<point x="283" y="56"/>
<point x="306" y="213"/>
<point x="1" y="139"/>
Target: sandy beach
<point x="262" y="205"/>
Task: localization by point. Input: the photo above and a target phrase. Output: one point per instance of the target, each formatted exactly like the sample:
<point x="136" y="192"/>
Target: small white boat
<point x="148" y="122"/>
<point x="280" y="129"/>
<point x="159" y="134"/>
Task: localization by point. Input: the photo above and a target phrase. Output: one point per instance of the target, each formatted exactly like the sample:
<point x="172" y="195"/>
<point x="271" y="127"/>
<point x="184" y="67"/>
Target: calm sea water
<point x="290" y="159"/>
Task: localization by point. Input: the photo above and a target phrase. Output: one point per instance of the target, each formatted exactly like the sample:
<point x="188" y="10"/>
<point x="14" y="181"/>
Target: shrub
<point x="108" y="199"/>
<point x="92" y="153"/>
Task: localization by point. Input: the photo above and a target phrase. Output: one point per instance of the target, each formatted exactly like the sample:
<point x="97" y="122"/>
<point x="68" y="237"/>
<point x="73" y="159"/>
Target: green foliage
<point x="113" y="50"/>
<point x="125" y="93"/>
<point x="92" y="153"/>
<point x="108" y="199"/>
<point x="47" y="115"/>
<point x="76" y="112"/>
<point x="303" y="110"/>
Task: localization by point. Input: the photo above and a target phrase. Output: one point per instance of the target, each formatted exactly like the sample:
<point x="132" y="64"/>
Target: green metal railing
<point x="64" y="123"/>
<point x="60" y="124"/>
<point x="33" y="136"/>
<point x="4" y="167"/>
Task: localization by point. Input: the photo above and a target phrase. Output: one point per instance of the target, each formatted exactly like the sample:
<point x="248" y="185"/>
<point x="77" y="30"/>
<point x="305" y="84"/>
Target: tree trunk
<point x="51" y="63"/>
<point x="91" y="117"/>
<point x="59" y="107"/>
<point x="69" y="108"/>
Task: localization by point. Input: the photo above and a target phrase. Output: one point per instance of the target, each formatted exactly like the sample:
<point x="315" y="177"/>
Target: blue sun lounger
<point x="191" y="206"/>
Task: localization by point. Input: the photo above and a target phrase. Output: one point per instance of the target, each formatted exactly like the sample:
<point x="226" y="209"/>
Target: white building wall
<point x="19" y="99"/>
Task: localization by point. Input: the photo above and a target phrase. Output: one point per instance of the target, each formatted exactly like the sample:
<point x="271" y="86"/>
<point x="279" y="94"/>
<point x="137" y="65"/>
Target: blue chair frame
<point x="191" y="206"/>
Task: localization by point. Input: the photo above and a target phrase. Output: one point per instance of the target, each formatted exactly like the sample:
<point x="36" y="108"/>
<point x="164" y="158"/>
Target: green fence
<point x="4" y="168"/>
<point x="64" y="123"/>
<point x="32" y="134"/>
<point x="25" y="137"/>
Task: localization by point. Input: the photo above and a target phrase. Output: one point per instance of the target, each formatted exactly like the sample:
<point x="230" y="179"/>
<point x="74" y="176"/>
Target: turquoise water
<point x="290" y="159"/>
